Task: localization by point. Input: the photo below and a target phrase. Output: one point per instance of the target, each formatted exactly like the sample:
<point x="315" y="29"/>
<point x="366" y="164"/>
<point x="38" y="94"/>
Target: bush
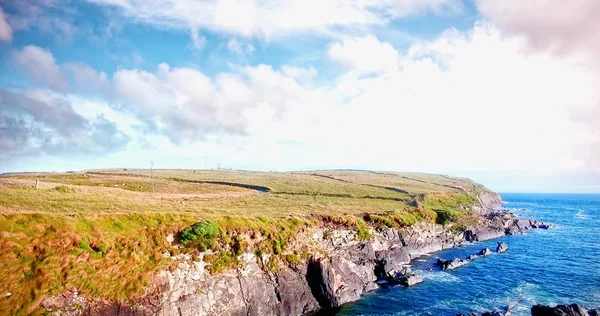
<point x="64" y="189"/>
<point x="203" y="234"/>
<point x="446" y="216"/>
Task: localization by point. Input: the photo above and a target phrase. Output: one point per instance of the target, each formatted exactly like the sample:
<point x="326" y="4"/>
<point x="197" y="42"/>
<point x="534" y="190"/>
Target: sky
<point x="506" y="92"/>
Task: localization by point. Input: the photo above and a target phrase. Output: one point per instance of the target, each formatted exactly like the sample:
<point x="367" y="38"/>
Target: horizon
<point x="488" y="90"/>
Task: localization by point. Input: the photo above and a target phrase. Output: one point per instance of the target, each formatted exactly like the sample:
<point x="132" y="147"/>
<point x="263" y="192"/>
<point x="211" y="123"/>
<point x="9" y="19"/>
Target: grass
<point x="105" y="234"/>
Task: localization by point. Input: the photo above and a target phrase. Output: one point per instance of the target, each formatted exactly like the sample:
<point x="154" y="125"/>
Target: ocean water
<point x="556" y="266"/>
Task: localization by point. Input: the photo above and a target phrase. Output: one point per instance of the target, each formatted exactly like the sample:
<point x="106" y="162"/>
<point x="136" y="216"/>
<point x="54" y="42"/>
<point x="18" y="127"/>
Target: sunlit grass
<point x="104" y="233"/>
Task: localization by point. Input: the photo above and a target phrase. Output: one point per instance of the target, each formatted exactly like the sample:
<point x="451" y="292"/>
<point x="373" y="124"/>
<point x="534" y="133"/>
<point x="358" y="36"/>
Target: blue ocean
<point x="556" y="266"/>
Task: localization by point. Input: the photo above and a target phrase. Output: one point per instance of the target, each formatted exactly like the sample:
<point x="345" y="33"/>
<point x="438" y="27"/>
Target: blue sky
<point x="488" y="89"/>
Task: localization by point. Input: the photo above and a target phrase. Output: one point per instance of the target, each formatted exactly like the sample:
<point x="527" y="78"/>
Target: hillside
<point x="105" y="233"/>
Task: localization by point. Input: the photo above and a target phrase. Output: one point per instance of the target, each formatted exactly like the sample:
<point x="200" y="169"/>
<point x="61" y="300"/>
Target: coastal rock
<point x="340" y="270"/>
<point x="559" y="310"/>
<point x="451" y="264"/>
<point x="502" y="247"/>
<point x="482" y="253"/>
<point x="493" y="313"/>
<point x="411" y="279"/>
<point x="405" y="277"/>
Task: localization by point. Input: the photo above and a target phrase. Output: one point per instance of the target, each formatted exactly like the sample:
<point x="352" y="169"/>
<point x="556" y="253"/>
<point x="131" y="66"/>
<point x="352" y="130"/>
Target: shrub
<point x="203" y="234"/>
<point x="446" y="216"/>
<point x="64" y="189"/>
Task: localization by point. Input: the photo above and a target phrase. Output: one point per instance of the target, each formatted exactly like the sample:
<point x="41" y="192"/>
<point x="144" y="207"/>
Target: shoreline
<point x="341" y="271"/>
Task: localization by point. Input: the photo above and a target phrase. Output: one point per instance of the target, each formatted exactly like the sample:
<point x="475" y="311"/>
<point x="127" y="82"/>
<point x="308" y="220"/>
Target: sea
<point x="556" y="266"/>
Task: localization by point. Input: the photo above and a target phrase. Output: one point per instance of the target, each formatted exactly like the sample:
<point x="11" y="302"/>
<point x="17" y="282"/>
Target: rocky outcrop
<point x="451" y="264"/>
<point x="502" y="247"/>
<point x="482" y="253"/>
<point x="541" y="310"/>
<point x="341" y="269"/>
<point x="562" y="310"/>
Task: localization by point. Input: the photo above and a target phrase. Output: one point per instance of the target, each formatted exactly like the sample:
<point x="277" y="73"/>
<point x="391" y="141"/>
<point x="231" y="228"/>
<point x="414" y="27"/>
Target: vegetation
<point x="105" y="233"/>
<point x="202" y="233"/>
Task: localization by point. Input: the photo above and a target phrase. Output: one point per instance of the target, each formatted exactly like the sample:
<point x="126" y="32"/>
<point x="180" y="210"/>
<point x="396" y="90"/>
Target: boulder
<point x="513" y="230"/>
<point x="559" y="310"/>
<point x="484" y="252"/>
<point x="493" y="313"/>
<point x="451" y="264"/>
<point x="502" y="247"/>
<point x="411" y="279"/>
<point x="473" y="257"/>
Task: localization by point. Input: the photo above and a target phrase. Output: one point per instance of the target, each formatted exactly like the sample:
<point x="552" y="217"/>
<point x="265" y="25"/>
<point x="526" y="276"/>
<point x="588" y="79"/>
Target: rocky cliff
<point x="340" y="268"/>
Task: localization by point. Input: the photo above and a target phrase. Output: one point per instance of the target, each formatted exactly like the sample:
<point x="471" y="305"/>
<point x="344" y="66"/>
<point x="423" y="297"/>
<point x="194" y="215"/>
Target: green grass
<point x="104" y="233"/>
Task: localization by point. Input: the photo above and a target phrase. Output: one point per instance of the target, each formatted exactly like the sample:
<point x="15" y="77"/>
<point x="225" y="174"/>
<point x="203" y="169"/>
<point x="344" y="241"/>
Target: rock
<point x="513" y="230"/>
<point x="545" y="226"/>
<point x="405" y="277"/>
<point x="470" y="235"/>
<point x="473" y="257"/>
<point x="593" y="312"/>
<point x="410" y="280"/>
<point x="559" y="310"/>
<point x="451" y="264"/>
<point x="502" y="247"/>
<point x="493" y="313"/>
<point x="484" y="252"/>
<point x="389" y="262"/>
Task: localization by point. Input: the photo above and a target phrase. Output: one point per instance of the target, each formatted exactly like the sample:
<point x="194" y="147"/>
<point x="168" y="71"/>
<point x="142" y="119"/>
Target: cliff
<point x="341" y="268"/>
<point x="228" y="242"/>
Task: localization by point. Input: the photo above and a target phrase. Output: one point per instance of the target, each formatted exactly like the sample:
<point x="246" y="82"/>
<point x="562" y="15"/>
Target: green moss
<point x="203" y="234"/>
<point x="222" y="261"/>
<point x="363" y="232"/>
<point x="292" y="258"/>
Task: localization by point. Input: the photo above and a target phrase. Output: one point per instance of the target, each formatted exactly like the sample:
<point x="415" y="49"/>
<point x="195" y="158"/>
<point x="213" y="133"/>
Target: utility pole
<point x="152" y="174"/>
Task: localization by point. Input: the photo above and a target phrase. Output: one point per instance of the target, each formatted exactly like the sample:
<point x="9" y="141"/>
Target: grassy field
<point x="104" y="232"/>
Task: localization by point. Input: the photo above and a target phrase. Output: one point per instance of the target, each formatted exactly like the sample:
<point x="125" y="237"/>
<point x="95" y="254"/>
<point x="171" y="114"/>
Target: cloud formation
<point x="273" y="18"/>
<point x="564" y="27"/>
<point x="5" y="28"/>
<point x="365" y="54"/>
<point x="41" y="67"/>
<point x="36" y="122"/>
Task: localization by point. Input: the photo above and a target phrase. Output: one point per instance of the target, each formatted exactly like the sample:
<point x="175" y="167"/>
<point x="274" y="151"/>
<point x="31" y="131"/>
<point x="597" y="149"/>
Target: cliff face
<point x="343" y="268"/>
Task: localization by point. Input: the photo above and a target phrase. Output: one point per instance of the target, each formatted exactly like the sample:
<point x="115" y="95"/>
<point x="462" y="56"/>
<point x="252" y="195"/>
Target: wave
<point x="440" y="276"/>
<point x="581" y="215"/>
<point x="518" y="300"/>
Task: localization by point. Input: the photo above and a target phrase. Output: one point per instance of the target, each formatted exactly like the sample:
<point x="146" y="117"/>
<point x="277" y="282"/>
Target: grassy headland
<point x="105" y="233"/>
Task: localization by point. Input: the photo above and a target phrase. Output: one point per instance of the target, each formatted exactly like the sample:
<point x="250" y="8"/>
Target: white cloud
<point x="187" y="106"/>
<point x="562" y="26"/>
<point x="275" y="18"/>
<point x="41" y="67"/>
<point x="234" y="45"/>
<point x="5" y="29"/>
<point x="365" y="54"/>
<point x="198" y="40"/>
<point x="86" y="79"/>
